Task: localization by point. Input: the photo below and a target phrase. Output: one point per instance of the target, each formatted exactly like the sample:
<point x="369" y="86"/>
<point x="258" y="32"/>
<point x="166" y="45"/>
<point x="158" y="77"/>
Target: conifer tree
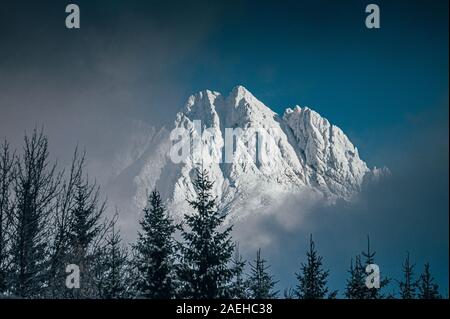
<point x="154" y="252"/>
<point x="407" y="285"/>
<point x="61" y="221"/>
<point x="114" y="269"/>
<point x="312" y="279"/>
<point x="355" y="287"/>
<point x="373" y="293"/>
<point x="428" y="289"/>
<point x="86" y="234"/>
<point x="35" y="188"/>
<point x="238" y="288"/>
<point x="7" y="171"/>
<point x="207" y="250"/>
<point x="260" y="281"/>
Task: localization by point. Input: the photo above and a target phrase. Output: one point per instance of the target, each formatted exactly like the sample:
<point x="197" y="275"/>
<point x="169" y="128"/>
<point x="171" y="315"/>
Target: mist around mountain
<point x="258" y="160"/>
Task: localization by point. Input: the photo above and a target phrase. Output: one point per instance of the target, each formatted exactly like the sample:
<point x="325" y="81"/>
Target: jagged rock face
<point x="300" y="151"/>
<point x="333" y="160"/>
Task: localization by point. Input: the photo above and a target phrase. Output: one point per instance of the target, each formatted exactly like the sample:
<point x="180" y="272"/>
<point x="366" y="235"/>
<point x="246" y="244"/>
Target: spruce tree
<point x="207" y="249"/>
<point x="312" y="279"/>
<point x="114" y="268"/>
<point x="238" y="288"/>
<point x="373" y="293"/>
<point x="260" y="282"/>
<point x="407" y="285"/>
<point x="35" y="189"/>
<point x="355" y="286"/>
<point x="154" y="252"/>
<point x="428" y="289"/>
<point x="86" y="234"/>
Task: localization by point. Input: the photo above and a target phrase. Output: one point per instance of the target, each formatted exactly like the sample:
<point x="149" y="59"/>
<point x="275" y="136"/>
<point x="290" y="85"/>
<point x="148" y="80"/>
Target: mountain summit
<point x="304" y="152"/>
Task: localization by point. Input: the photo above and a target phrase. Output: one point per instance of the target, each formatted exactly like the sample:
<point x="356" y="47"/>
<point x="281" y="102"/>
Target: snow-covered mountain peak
<point x="240" y="95"/>
<point x="301" y="151"/>
<point x="242" y="99"/>
<point x="202" y="99"/>
<point x="327" y="150"/>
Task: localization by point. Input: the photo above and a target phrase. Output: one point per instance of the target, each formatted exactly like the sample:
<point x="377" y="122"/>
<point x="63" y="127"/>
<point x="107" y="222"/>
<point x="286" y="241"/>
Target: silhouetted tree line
<point x="51" y="218"/>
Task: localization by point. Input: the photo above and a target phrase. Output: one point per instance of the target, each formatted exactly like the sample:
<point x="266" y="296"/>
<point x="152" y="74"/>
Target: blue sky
<point x="319" y="53"/>
<point x="387" y="89"/>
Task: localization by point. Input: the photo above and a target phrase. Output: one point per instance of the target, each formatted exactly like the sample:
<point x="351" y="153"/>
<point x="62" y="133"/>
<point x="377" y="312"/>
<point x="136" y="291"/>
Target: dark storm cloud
<point x="85" y="86"/>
